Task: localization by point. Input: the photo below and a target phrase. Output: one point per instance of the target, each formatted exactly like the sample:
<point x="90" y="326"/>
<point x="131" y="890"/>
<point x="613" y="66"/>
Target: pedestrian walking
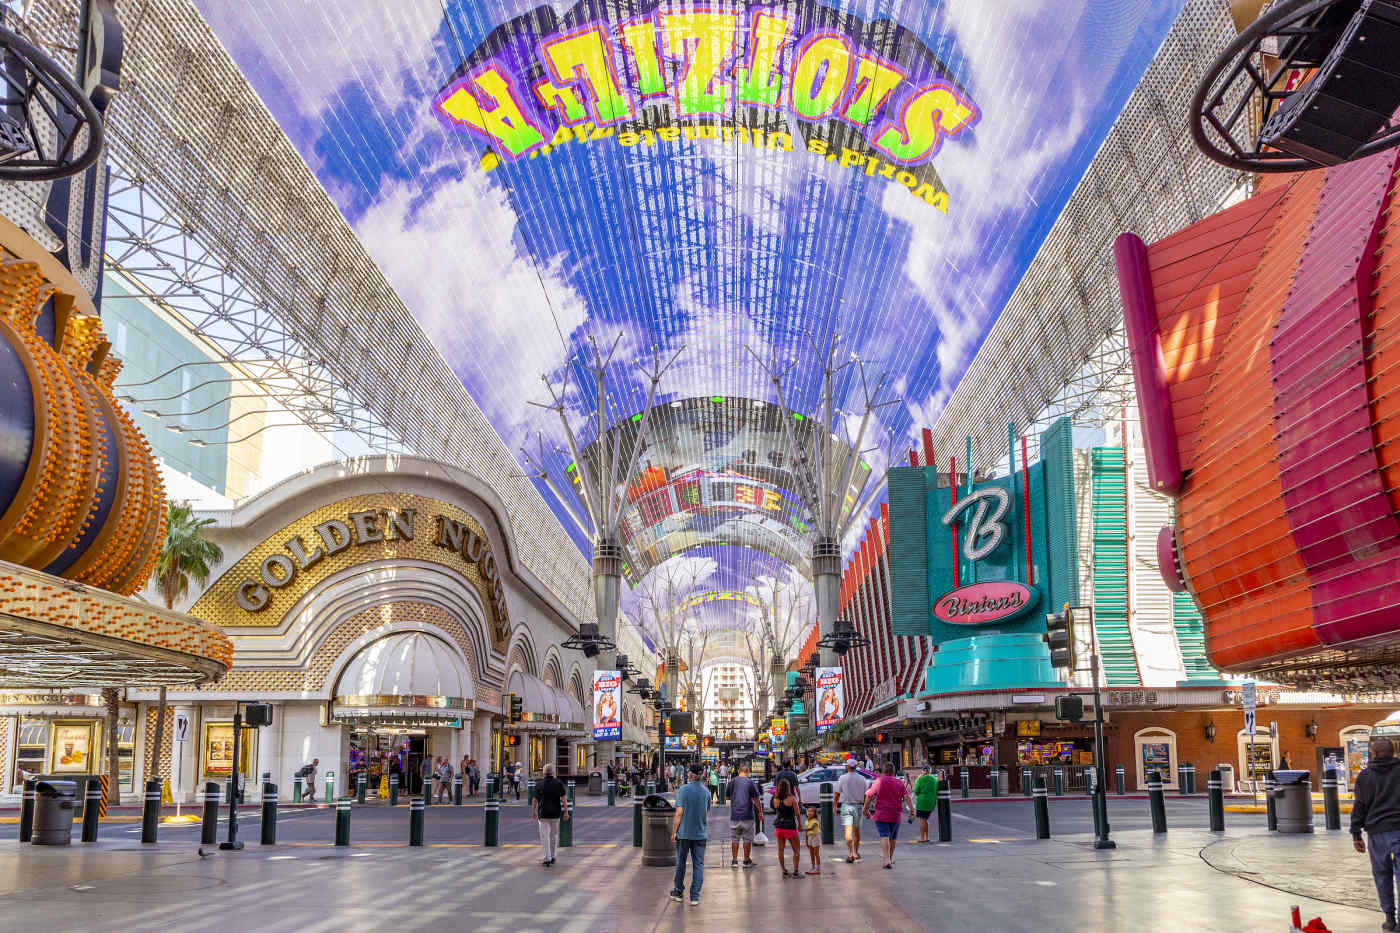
<point x="550" y="805"/>
<point x="887" y="800"/>
<point x="745" y="814"/>
<point x="850" y="798"/>
<point x="444" y="780"/>
<point x="689" y="830"/>
<point x="1376" y="809"/>
<point x="925" y="800"/>
<point x="475" y="773"/>
<point x="308" y="777"/>
<point x="464" y="769"/>
<point x="786" y="772"/>
<point x="785" y="810"/>
<point x="714" y="784"/>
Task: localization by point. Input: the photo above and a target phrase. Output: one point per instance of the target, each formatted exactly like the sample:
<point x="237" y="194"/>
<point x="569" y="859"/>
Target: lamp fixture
<point x="1310" y="730"/>
<point x="1210" y="731"/>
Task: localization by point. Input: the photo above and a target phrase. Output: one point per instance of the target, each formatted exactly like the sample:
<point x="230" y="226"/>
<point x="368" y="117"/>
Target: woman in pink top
<point x="887" y="798"/>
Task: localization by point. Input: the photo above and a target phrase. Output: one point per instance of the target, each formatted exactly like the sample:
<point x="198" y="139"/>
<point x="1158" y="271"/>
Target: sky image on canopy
<point x="748" y="181"/>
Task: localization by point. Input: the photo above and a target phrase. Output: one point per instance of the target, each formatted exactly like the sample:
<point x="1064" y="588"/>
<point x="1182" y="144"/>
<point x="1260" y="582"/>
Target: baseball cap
<point x="851" y="763"/>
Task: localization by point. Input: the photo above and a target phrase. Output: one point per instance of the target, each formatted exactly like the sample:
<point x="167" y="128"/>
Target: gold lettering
<point x="366" y="526"/>
<point x="304" y="560"/>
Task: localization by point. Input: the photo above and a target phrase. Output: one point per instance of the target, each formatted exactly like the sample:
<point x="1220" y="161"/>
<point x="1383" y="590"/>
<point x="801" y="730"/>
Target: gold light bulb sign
<point x="75" y="413"/>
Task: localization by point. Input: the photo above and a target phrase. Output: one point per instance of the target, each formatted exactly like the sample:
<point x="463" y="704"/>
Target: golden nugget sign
<point x="367" y="526"/>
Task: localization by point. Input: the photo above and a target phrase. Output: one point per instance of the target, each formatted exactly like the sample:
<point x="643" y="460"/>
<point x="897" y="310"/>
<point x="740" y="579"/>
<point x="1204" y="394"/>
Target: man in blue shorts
<point x="850" y="794"/>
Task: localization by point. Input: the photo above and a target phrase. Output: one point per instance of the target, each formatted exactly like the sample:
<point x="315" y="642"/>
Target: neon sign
<point x="874" y="100"/>
<point x="981" y="603"/>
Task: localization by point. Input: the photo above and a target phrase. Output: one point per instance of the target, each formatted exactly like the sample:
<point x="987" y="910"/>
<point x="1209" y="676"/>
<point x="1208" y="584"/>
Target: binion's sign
<point x="777" y="76"/>
<point x="981" y="603"/>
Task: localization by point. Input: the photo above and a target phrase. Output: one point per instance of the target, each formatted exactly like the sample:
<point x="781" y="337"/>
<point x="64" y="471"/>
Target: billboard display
<point x="607" y="705"/>
<point x="777" y="732"/>
<point x="831" y="698"/>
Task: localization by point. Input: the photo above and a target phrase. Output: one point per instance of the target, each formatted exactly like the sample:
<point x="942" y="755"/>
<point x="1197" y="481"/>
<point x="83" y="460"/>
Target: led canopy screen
<point x="744" y="183"/>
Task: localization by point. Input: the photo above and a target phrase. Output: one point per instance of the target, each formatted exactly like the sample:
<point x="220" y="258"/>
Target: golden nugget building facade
<point x="380" y="607"/>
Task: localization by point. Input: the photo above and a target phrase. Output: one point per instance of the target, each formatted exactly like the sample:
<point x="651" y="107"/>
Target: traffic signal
<point x="1059" y="629"/>
<point x="512" y="740"/>
<point x="1069" y="708"/>
<point x="517" y="707"/>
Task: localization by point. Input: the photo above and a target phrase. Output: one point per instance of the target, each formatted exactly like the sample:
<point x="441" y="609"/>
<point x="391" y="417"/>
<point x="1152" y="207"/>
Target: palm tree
<point x="186" y="554"/>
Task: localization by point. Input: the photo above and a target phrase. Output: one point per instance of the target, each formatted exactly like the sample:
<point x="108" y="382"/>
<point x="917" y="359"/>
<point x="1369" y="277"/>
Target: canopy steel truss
<point x="217" y="217"/>
<point x="1057" y="345"/>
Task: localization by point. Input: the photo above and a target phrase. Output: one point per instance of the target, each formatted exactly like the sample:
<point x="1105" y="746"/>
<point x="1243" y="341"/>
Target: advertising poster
<point x="831" y="698"/>
<point x="607" y="705"/>
<point x="1156" y="756"/>
<point x="690" y="741"/>
<point x="72" y="748"/>
<point x="673" y="743"/>
<point x="777" y="732"/>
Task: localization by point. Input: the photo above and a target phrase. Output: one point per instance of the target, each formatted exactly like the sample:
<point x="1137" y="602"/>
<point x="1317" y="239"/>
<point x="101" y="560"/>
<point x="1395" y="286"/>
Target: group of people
<point x="885" y="800"/>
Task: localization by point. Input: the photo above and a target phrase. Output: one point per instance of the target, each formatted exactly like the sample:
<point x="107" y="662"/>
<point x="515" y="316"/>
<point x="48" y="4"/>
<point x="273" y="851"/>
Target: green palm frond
<point x="186" y="554"/>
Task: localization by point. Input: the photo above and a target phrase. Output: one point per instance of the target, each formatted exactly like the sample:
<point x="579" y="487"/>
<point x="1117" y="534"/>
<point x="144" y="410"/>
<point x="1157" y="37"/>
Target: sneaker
<point x="1389" y="924"/>
<point x="785" y="872"/>
<point x="695" y="902"/>
<point x="749" y="863"/>
<point x="813" y="871"/>
<point x="676" y="896"/>
<point x="733" y="863"/>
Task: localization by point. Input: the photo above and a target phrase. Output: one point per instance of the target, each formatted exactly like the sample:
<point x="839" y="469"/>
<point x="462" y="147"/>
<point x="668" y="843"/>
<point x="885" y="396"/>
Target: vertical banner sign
<point x="831" y="698"/>
<point x="607" y="705"/>
<point x="777" y="732"/>
<point x="1248" y="698"/>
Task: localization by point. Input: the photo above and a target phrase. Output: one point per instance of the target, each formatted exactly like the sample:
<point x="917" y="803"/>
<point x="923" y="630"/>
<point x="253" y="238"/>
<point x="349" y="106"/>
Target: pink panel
<point x="1335" y="501"/>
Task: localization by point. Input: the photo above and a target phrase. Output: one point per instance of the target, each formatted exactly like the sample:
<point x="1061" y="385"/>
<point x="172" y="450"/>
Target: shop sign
<point x="777" y="731"/>
<point x="981" y="603"/>
<point x="607" y="705"/>
<point x="831" y="698"/>
<point x="366" y="526"/>
<point x="1132" y="698"/>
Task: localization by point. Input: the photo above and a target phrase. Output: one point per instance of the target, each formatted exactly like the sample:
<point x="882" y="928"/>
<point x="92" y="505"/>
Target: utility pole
<point x="1101" y="840"/>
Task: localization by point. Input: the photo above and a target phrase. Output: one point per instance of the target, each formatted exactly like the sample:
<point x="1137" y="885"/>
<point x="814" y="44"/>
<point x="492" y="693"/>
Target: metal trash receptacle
<point x="595" y="783"/>
<point x="658" y="846"/>
<point x="1293" y="801"/>
<point x="53" y="812"/>
<point x="1227" y="777"/>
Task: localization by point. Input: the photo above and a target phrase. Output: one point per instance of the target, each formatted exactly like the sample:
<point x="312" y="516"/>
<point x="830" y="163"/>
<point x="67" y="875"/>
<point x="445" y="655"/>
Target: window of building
<point x="126" y="754"/>
<point x="32" y="752"/>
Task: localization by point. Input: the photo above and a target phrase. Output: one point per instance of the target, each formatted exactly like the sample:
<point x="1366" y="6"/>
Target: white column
<point x="270" y="754"/>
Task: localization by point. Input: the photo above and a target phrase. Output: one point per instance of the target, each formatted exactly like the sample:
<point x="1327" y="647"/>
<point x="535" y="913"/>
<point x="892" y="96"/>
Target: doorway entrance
<point x="382" y="750"/>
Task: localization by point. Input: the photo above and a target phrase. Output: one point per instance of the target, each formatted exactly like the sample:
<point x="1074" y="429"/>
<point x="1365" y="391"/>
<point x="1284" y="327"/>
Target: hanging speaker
<point x="1354" y="93"/>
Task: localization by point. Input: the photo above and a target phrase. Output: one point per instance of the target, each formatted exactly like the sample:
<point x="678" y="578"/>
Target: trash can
<point x="595" y="783"/>
<point x="658" y="846"/>
<point x="53" y="812"/>
<point x="1293" y="801"/>
<point x="1003" y="777"/>
<point x="1227" y="777"/>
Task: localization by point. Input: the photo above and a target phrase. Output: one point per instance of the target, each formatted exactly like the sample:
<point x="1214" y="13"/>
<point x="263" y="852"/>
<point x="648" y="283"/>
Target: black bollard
<point x="966" y="781"/>
<point x="1156" y="803"/>
<point x="361" y="786"/>
<point x="995" y="773"/>
<point x="1216" y="788"/>
<point x="150" y="812"/>
<point x="1271" y="817"/>
<point x="209" y="826"/>
<point x="493" y="819"/>
<point x="1042" y="810"/>
<point x="566" y="827"/>
<point x="945" y="814"/>
<point x="415" y="820"/>
<point x="1190" y="786"/>
<point x="26" y="812"/>
<point x="636" y="823"/>
<point x="342" y="822"/>
<point x="612" y="793"/>
<point x="92" y="809"/>
<point x="393" y="790"/>
<point x="457" y="791"/>
<point x="269" y="814"/>
<point x="1331" y="805"/>
<point x="1027" y="780"/>
<point x="1181" y="777"/>
<point x="427" y="791"/>
<point x="828" y="813"/>
<point x="529" y="791"/>
<point x="296" y="789"/>
<point x="1122" y="775"/>
<point x="1059" y="782"/>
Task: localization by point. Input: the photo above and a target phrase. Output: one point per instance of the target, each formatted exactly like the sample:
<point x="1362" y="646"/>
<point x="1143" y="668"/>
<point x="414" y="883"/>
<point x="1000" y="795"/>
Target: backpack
<point x="305" y="771"/>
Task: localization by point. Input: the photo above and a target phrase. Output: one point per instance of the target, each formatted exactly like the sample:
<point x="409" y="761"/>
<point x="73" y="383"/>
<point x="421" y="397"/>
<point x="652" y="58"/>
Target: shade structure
<point x="545" y="709"/>
<point x="405" y="677"/>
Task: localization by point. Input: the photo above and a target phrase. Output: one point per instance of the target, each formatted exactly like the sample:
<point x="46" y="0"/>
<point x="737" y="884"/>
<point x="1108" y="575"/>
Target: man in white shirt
<point x="850" y="796"/>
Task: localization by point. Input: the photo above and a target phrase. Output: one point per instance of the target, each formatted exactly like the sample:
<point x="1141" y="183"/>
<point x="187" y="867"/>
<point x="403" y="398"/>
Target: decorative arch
<point x="380" y="623"/>
<point x="576" y="686"/>
<point x="553" y="672"/>
<point x="521" y="656"/>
